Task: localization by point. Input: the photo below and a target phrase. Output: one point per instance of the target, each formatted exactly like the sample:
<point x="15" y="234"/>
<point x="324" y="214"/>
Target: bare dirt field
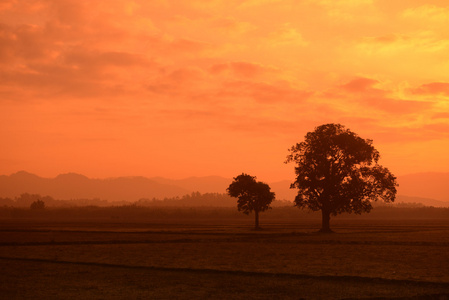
<point x="209" y="259"/>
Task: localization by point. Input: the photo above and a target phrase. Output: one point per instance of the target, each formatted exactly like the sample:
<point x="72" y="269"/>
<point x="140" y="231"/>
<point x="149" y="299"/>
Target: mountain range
<point x="426" y="188"/>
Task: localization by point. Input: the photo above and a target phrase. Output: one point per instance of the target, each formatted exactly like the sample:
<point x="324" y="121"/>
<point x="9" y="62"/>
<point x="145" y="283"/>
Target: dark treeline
<point x="194" y="199"/>
<point x="164" y="214"/>
<point x="26" y="199"/>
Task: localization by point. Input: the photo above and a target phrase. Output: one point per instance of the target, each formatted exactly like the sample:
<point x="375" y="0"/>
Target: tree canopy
<point x="252" y="195"/>
<point x="37" y="205"/>
<point x="337" y="171"/>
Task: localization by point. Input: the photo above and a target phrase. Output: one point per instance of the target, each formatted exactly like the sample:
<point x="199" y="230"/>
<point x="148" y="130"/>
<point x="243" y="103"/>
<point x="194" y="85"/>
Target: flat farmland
<point x="223" y="260"/>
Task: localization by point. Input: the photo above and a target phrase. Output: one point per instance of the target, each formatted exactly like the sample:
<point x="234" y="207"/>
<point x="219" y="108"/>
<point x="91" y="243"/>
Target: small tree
<point x="337" y="171"/>
<point x="38" y="204"/>
<point x="252" y="195"/>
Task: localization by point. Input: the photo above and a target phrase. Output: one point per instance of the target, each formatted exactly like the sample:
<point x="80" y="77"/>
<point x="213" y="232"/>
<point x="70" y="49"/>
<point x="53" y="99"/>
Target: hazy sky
<point x="192" y="88"/>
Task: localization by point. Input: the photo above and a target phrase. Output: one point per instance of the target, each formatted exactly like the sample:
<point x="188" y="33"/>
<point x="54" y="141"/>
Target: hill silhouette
<point x="430" y="189"/>
<point x="76" y="186"/>
<point x="426" y="185"/>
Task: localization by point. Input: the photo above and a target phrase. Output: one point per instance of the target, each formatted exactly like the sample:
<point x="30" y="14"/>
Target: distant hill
<point x="425" y="185"/>
<point x="76" y="186"/>
<point x="426" y="188"/>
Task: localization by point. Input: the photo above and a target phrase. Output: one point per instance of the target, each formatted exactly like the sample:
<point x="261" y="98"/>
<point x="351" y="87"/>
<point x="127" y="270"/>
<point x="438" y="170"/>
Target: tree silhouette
<point x="252" y="195"/>
<point x="337" y="171"/>
<point x="37" y="205"/>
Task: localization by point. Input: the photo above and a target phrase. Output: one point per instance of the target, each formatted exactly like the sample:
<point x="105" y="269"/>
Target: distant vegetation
<point x="195" y="199"/>
<point x="38" y="204"/>
<point x="26" y="200"/>
<point x="216" y="215"/>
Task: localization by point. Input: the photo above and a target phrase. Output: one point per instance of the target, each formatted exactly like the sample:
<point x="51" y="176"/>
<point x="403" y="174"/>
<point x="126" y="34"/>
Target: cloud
<point x="246" y="69"/>
<point x="440" y="128"/>
<point x="344" y="3"/>
<point x="182" y="82"/>
<point x="434" y="88"/>
<point x="360" y="84"/>
<point x="200" y="119"/>
<point x="428" y="13"/>
<point x="5" y="6"/>
<point x="78" y="50"/>
<point x="95" y="59"/>
<point x="393" y="44"/>
<point x="362" y="92"/>
<point x="287" y="35"/>
<point x="393" y="117"/>
<point x="265" y="92"/>
<point x="181" y="45"/>
<point x="232" y="122"/>
<point x="396" y="106"/>
<point x="24" y="42"/>
<point x="232" y="27"/>
<point x="266" y="127"/>
<point x="253" y="3"/>
<point x="240" y="68"/>
<point x="76" y="73"/>
<point x="349" y="10"/>
<point x="442" y="115"/>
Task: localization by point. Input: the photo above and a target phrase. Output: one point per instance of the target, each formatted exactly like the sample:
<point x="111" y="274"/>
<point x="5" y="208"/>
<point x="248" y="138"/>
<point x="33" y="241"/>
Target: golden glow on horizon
<point x="178" y="89"/>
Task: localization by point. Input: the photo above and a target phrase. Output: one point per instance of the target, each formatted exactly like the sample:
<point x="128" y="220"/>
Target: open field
<point x="194" y="259"/>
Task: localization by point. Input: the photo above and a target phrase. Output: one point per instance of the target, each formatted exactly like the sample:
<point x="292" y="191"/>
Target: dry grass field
<point x="207" y="259"/>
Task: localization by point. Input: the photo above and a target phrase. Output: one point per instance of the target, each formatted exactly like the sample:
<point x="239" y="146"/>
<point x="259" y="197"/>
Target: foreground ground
<point x="209" y="259"/>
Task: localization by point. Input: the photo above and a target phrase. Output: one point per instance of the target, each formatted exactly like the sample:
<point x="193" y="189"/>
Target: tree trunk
<point x="257" y="220"/>
<point x="325" y="226"/>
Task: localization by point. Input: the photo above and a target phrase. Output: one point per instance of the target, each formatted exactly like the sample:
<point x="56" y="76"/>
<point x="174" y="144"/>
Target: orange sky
<point x="193" y="88"/>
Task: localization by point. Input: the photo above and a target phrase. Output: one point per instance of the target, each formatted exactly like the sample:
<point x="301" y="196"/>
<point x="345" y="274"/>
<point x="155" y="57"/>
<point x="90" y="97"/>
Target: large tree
<point x="337" y="171"/>
<point x="252" y="195"/>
